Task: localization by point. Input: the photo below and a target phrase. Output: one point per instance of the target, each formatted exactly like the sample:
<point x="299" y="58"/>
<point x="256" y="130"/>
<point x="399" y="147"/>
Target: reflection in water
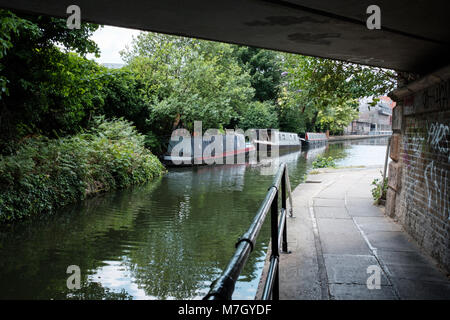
<point x="167" y="239"/>
<point x="366" y="152"/>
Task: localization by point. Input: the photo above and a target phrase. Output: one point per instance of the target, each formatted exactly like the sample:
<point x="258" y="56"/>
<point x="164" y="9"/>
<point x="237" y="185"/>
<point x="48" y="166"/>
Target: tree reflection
<point x="174" y="236"/>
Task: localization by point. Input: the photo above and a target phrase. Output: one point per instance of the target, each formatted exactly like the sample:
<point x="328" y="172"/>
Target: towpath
<point x="338" y="239"/>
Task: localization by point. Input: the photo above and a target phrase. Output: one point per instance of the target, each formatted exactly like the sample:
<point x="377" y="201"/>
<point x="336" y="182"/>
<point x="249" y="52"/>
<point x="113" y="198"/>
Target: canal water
<point x="168" y="239"/>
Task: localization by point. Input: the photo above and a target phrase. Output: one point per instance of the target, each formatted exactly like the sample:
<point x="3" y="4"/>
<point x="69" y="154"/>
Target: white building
<point x="373" y="120"/>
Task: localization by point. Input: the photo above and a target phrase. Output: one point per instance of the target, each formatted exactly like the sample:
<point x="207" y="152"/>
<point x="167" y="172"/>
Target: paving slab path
<point x="338" y="240"/>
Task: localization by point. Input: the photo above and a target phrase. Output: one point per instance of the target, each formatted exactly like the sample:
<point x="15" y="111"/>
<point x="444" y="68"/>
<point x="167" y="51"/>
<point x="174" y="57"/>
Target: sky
<point x="111" y="40"/>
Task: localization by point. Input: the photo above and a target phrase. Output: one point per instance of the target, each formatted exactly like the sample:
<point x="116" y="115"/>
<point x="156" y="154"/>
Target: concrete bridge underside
<point x="414" y="37"/>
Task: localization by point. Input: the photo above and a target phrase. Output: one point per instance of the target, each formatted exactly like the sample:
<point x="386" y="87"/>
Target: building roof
<point x="388" y="101"/>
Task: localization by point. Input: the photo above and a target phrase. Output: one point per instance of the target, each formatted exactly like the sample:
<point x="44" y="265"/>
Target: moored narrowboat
<point x="313" y="139"/>
<point x="269" y="138"/>
<point x="220" y="149"/>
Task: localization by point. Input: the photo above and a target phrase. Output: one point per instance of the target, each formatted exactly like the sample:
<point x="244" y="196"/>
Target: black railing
<point x="223" y="287"/>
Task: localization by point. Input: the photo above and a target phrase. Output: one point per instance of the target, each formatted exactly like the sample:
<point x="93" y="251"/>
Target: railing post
<point x="289" y="193"/>
<point x="275" y="249"/>
<point x="284" y="206"/>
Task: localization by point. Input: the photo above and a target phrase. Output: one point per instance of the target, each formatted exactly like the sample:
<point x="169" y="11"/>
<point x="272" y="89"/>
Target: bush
<point x="45" y="174"/>
<point x="323" y="162"/>
<point x="380" y="189"/>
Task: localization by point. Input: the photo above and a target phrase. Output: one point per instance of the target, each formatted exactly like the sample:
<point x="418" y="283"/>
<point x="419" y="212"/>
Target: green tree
<point x="327" y="91"/>
<point x="259" y="115"/>
<point x="186" y="80"/>
<point x="43" y="89"/>
<point x="264" y="68"/>
<point x="123" y="98"/>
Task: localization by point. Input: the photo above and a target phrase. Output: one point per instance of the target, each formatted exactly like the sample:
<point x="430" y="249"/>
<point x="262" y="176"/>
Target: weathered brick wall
<point x="419" y="178"/>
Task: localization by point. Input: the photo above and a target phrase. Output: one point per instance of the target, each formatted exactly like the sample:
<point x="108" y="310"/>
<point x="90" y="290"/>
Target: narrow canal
<point x="167" y="239"/>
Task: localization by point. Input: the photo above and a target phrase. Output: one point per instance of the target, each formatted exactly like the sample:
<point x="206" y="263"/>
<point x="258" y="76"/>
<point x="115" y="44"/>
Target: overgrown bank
<point x="45" y="174"/>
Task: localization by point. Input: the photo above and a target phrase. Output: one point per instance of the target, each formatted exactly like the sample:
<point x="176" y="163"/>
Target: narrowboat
<point x="184" y="150"/>
<point x="314" y="139"/>
<point x="268" y="138"/>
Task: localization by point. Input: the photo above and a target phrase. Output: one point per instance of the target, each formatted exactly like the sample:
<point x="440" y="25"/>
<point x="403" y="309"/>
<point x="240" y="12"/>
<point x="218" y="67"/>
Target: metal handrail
<point x="288" y="184"/>
<point x="223" y="287"/>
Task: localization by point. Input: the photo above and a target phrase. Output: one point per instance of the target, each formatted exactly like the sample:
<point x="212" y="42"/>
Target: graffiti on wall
<point x="434" y="173"/>
<point x="437" y="137"/>
<point x="436" y="186"/>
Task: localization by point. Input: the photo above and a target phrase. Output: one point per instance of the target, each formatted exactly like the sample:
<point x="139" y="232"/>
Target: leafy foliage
<point x="122" y="98"/>
<point x="326" y="92"/>
<point x="11" y="26"/>
<point x="323" y="162"/>
<point x="264" y="68"/>
<point x="186" y="80"/>
<point x="45" y="174"/>
<point x="259" y="115"/>
<point x="380" y="189"/>
<point x="44" y="90"/>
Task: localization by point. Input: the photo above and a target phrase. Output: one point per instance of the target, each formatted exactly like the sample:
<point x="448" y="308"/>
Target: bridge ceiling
<point x="415" y="35"/>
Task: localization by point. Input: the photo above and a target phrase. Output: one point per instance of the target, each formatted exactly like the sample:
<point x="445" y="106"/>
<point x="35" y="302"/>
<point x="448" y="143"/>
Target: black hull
<point x="313" y="144"/>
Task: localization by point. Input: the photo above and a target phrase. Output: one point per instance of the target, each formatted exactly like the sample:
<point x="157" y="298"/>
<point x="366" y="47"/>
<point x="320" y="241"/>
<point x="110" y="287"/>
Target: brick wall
<point x="419" y="178"/>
